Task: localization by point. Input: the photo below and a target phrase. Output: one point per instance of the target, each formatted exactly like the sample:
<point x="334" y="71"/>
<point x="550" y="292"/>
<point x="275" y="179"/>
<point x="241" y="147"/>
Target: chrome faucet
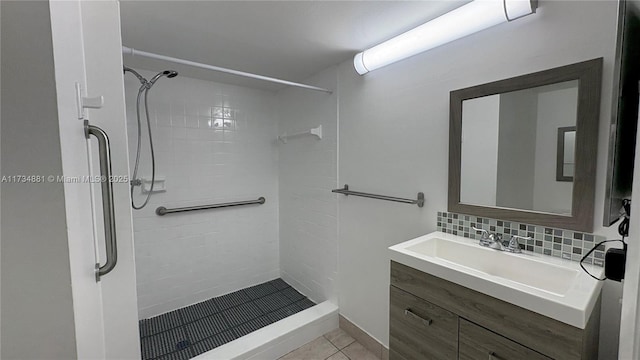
<point x="487" y="239"/>
<point x="514" y="245"/>
<point x="494" y="241"/>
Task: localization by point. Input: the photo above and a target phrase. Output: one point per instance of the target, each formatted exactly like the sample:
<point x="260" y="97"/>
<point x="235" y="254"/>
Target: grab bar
<point x="108" y="212"/>
<point x="345" y="191"/>
<point x="163" y="210"/>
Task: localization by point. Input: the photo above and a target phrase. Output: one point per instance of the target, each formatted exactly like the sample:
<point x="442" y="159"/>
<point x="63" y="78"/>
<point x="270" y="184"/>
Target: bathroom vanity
<point x="453" y="299"/>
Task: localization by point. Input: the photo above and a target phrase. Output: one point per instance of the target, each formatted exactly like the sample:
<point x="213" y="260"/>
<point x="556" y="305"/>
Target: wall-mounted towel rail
<point x="163" y="210"/>
<point x="345" y="191"/>
<point x="317" y="131"/>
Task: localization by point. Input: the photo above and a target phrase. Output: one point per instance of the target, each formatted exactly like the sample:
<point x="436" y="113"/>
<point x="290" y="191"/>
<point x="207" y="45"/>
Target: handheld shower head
<point x="143" y="93"/>
<point x="168" y="73"/>
<point x="148" y="83"/>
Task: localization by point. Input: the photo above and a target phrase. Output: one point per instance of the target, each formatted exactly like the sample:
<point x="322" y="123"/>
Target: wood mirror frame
<point x="589" y="76"/>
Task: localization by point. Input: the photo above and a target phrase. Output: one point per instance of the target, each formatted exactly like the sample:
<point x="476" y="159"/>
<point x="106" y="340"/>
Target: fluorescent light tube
<point x="465" y="20"/>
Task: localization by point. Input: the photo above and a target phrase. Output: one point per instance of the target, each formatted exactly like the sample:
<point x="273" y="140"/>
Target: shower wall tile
<point x="307" y="173"/>
<point x="214" y="143"/>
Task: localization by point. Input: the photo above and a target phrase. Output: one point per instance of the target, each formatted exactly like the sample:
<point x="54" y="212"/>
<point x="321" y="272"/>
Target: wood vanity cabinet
<point x="432" y="318"/>
<point x="420" y="329"/>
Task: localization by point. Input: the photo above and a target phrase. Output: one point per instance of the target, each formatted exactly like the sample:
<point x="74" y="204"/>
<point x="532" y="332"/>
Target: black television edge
<point x="624" y="122"/>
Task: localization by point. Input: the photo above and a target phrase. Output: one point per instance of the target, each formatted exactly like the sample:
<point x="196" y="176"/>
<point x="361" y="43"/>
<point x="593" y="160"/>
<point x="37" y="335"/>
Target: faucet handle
<point x="485" y="233"/>
<point x="514" y="244"/>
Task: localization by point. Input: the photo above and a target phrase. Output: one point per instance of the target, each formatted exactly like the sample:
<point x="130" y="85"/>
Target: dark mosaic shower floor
<point x="193" y="330"/>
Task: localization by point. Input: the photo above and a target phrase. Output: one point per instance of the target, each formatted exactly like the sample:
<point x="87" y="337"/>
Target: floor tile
<point x="241" y="314"/>
<point x="273" y="302"/>
<point x="360" y="336"/>
<point x="338" y="356"/>
<point x="318" y="349"/>
<point x="356" y="351"/>
<point x="162" y="343"/>
<point x="339" y="338"/>
<point x="207" y="327"/>
<point x="160" y="323"/>
<point x="385" y="353"/>
<point x="198" y="311"/>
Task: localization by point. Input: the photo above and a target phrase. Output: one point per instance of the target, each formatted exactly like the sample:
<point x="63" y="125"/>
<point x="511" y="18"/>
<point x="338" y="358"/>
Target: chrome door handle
<point x="108" y="213"/>
<point x="411" y="314"/>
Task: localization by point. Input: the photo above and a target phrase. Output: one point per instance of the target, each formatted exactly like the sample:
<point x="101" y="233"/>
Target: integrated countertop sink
<point x="550" y="286"/>
<point x="521" y="269"/>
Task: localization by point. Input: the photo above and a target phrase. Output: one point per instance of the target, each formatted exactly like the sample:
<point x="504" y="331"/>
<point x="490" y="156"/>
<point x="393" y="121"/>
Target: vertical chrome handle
<point x="108" y="213"/>
<point x="409" y="313"/>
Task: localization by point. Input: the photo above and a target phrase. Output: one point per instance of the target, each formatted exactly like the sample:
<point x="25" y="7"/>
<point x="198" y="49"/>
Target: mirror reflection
<point x="518" y="149"/>
<point x="565" y="162"/>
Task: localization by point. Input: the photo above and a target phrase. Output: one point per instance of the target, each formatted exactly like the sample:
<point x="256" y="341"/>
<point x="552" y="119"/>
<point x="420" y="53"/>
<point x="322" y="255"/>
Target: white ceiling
<point x="285" y="39"/>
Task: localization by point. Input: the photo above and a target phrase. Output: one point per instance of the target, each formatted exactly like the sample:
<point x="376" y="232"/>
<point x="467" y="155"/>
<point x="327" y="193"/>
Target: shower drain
<point x="181" y="345"/>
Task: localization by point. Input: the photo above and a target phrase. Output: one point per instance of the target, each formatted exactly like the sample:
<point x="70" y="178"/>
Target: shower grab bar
<point x="345" y="191"/>
<point x="108" y="212"/>
<point x="161" y="211"/>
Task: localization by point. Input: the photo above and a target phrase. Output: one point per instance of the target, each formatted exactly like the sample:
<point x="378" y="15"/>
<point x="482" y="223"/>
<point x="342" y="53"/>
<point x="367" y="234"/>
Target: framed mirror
<point x="524" y="149"/>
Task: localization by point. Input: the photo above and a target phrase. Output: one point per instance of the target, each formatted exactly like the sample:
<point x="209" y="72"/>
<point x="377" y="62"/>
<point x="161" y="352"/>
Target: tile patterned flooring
<point x="193" y="330"/>
<point x="335" y="345"/>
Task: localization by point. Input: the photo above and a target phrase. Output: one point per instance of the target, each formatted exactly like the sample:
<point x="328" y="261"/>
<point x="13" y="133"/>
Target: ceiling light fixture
<point x="465" y="20"/>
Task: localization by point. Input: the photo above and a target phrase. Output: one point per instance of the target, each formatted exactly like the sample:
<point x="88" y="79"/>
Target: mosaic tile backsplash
<point x="565" y="244"/>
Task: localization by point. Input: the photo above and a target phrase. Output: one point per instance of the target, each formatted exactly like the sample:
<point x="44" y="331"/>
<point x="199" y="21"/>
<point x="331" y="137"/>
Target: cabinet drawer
<point x="478" y="343"/>
<point x="420" y="330"/>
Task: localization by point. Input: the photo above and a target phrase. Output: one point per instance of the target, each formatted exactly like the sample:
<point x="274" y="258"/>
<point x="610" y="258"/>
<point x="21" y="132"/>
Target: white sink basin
<point x="540" y="275"/>
<point x="550" y="286"/>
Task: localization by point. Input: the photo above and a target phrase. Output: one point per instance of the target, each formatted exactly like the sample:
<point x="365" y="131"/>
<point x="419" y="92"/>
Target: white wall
<point x="394" y="139"/>
<point x="189" y="257"/>
<point x="37" y="304"/>
<point x="479" y="160"/>
<point x="307" y="173"/>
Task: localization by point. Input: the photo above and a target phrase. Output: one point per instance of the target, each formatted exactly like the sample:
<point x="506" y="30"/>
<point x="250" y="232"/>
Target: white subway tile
<point x="185" y="258"/>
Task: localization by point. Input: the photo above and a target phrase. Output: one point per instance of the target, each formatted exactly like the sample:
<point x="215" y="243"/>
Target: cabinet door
<point x="420" y="330"/>
<point x="478" y="343"/>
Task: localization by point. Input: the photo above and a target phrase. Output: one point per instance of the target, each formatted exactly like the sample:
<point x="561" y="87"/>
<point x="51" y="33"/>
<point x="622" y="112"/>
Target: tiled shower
<point x="214" y="143"/>
<point x="217" y="143"/>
